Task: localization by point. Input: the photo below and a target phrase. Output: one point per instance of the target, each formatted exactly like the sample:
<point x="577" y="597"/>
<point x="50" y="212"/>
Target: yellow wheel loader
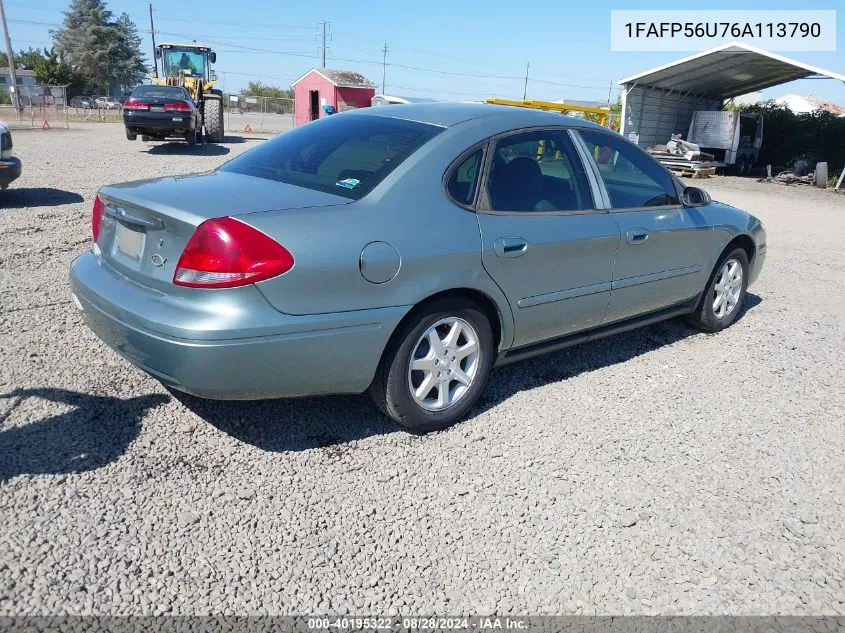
<point x="189" y="66"/>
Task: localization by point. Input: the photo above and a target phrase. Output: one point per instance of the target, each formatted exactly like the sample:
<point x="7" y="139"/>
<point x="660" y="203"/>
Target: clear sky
<point x="459" y="49"/>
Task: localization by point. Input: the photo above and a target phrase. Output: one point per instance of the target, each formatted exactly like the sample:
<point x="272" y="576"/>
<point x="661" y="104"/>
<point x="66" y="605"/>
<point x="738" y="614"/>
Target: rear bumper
<point x="273" y="355"/>
<point x="158" y="121"/>
<point x="10" y="170"/>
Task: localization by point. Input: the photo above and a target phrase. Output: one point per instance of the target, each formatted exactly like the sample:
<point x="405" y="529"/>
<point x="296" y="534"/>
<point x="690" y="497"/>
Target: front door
<point x="545" y="243"/>
<point x="315" y="105"/>
<point x="661" y="259"/>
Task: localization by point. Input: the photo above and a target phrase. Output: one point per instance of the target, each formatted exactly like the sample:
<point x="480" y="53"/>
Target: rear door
<point x="662" y="254"/>
<point x="545" y="242"/>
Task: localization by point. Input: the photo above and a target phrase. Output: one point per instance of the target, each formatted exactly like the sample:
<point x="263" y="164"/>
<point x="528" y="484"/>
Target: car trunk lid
<point x="147" y="224"/>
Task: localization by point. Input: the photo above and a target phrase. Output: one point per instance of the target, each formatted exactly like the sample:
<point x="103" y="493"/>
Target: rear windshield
<point x="344" y="155"/>
<point x="159" y="92"/>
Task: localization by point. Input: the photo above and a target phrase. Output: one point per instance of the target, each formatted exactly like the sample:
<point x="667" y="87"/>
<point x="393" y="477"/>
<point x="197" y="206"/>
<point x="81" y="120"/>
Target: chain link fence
<point x="247" y="113"/>
<point x="34" y="107"/>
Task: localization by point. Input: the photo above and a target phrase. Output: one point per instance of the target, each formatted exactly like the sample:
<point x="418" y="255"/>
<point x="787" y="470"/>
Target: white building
<point x="24" y="77"/>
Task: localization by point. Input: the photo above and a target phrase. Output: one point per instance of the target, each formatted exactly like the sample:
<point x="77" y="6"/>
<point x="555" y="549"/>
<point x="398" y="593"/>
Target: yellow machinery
<point x="598" y="114"/>
<point x="189" y="66"/>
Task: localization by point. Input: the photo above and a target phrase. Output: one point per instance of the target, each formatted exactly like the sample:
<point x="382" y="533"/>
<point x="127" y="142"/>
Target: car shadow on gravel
<point x="94" y="432"/>
<point x="331" y="422"/>
<point x="294" y="424"/>
<point x="183" y="149"/>
<point x="230" y="139"/>
<point x="37" y="197"/>
<point x="587" y="357"/>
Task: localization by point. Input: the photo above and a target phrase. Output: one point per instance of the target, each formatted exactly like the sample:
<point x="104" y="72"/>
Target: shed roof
<point x="728" y="71"/>
<point x="341" y="78"/>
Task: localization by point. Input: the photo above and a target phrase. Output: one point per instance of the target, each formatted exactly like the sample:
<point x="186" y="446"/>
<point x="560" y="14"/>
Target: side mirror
<point x="695" y="197"/>
<point x="212" y="57"/>
<point x="158" y="53"/>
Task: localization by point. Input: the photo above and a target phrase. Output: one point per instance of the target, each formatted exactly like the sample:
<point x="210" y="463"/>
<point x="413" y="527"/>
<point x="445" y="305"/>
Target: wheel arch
<point x="498" y="323"/>
<point x="744" y="241"/>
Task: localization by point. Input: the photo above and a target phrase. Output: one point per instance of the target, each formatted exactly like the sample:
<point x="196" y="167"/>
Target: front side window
<point x="538" y="171"/>
<point x="464" y="178"/>
<point x="347" y="155"/>
<point x="632" y="178"/>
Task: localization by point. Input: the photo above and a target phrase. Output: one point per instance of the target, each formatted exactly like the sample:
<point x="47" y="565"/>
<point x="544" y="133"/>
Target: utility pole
<point x="525" y="90"/>
<point x="609" y="90"/>
<point x="11" y="57"/>
<point x="153" y="35"/>
<point x="384" y="69"/>
<point x="325" y="35"/>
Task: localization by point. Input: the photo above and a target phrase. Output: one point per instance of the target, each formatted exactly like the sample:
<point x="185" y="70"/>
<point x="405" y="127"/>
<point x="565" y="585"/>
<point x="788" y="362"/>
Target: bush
<point x="787" y="134"/>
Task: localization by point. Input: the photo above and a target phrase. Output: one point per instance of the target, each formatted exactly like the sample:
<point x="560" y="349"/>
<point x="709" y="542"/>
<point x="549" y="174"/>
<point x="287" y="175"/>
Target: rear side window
<point x="344" y="155"/>
<point x="464" y="179"/>
<point x="538" y="171"/>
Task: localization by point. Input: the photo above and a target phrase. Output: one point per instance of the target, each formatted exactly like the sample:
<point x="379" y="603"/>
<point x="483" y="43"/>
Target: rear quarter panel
<point x="438" y="242"/>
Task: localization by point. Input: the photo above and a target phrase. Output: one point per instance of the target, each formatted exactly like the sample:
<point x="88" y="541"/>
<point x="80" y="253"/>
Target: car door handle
<point x="510" y="246"/>
<point x="637" y="236"/>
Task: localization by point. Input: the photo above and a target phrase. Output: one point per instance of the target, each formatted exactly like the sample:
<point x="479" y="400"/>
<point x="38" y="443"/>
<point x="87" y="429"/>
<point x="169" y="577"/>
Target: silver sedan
<point x="405" y="250"/>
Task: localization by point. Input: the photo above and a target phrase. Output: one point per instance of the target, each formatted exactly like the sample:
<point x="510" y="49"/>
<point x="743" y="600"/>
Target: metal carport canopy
<point x="727" y="71"/>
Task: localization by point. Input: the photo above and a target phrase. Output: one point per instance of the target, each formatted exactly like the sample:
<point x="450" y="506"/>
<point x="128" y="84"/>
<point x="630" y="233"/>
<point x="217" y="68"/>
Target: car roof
<point x="448" y="114"/>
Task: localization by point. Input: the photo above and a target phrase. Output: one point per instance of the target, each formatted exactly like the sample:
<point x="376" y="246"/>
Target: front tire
<point x="212" y="116"/>
<point x="436" y="367"/>
<point x="721" y="302"/>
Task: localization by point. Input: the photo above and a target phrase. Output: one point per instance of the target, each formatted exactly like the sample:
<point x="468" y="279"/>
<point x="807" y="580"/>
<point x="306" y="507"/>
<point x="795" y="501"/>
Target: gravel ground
<point x="661" y="471"/>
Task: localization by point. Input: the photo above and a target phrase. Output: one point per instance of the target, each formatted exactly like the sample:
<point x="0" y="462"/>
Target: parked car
<point x="10" y="166"/>
<point x="85" y="103"/>
<point x="159" y="112"/>
<point x="108" y="103"/>
<point x="405" y="251"/>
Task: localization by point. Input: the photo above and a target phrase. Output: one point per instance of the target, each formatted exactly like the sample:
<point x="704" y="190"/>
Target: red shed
<point x="341" y="89"/>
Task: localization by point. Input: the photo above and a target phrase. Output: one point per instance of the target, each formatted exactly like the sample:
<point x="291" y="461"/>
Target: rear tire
<point x="212" y="116"/>
<point x="722" y="300"/>
<point x="739" y="166"/>
<point x="430" y="341"/>
<point x="191" y="137"/>
<point x="130" y="136"/>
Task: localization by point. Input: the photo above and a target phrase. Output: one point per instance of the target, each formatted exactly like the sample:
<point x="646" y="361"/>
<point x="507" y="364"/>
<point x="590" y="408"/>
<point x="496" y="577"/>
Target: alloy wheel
<point x="728" y="289"/>
<point x="443" y="364"/>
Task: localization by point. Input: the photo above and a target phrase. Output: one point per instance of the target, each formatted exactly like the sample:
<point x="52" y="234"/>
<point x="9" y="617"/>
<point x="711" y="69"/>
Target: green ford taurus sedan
<point x="405" y="250"/>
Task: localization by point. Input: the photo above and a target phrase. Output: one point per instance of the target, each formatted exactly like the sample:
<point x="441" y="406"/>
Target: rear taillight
<point x="134" y="104"/>
<point x="178" y="107"/>
<point x="97" y="217"/>
<point x="225" y="252"/>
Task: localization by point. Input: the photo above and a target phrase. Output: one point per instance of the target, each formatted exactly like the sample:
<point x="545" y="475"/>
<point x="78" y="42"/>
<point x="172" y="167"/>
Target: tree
<point x="102" y="53"/>
<point x="614" y="117"/>
<point x="129" y="66"/>
<point x="49" y="70"/>
<point x="258" y="89"/>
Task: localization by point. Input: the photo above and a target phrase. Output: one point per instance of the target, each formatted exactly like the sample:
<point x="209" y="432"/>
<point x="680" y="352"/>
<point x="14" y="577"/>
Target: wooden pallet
<point x="694" y="173"/>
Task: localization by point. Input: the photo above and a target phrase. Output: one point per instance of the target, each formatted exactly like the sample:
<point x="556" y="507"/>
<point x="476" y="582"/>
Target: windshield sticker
<point x="348" y="183"/>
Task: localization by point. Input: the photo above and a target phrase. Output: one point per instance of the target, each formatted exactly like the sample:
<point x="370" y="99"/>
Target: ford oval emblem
<point x="157" y="260"/>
